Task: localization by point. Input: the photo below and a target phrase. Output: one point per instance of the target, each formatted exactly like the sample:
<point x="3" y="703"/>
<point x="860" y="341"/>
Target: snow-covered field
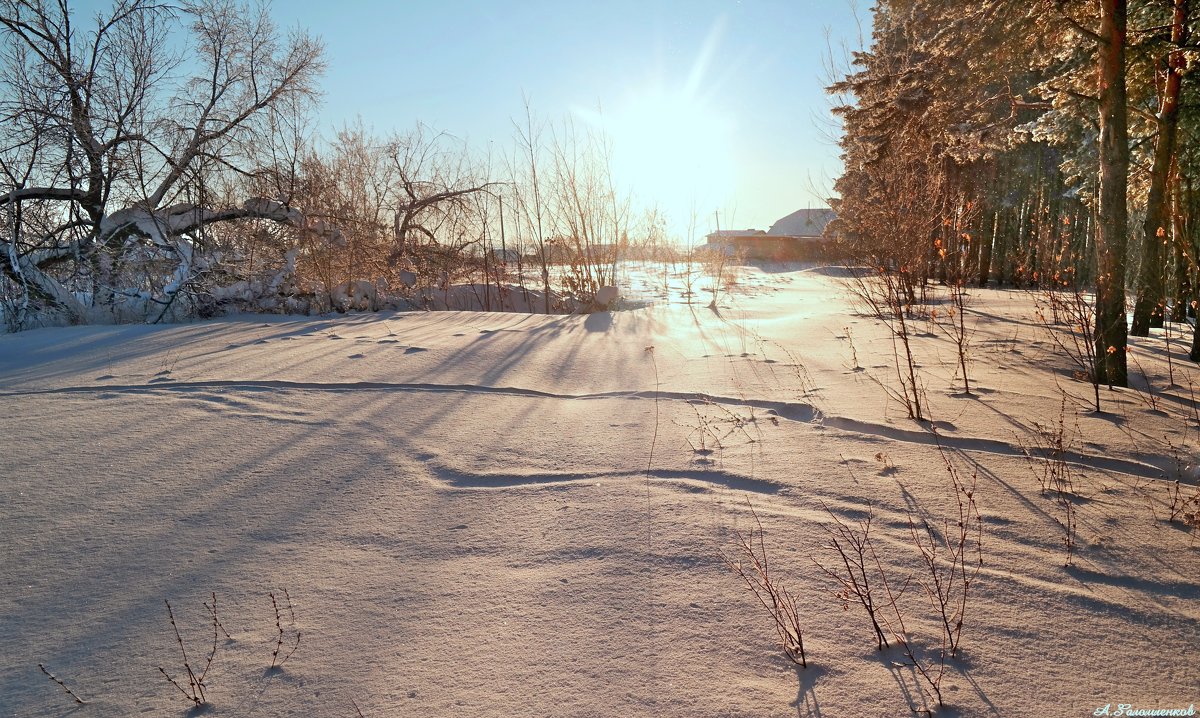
<point x="521" y="515"/>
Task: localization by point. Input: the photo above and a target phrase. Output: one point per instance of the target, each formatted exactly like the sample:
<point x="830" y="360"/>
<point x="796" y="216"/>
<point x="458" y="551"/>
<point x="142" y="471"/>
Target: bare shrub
<point x="887" y="296"/>
<point x="716" y="260"/>
<point x="955" y="252"/>
<point x="276" y="661"/>
<point x="1048" y="462"/>
<point x="749" y="562"/>
<point x="951" y="556"/>
<point x="852" y="544"/>
<point x="1071" y="325"/>
<point x="715" y="425"/>
<point x="194" y="682"/>
<point x="593" y="217"/>
<point x="862" y="579"/>
<point x="691" y="264"/>
<point x="1185" y="509"/>
<point x="952" y="322"/>
<point x="1048" y="457"/>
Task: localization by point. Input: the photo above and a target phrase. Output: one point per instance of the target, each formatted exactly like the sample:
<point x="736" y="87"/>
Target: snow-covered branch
<point x="42" y="193"/>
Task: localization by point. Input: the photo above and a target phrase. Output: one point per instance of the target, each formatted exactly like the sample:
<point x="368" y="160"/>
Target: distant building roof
<point x="722" y="233"/>
<point x="803" y="223"/>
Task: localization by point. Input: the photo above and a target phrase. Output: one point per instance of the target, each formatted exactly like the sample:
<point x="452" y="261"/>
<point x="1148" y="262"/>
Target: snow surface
<point x="504" y="514"/>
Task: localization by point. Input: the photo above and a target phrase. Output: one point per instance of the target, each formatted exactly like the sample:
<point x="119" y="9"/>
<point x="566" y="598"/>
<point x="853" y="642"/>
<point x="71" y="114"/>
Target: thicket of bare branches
<point x="118" y="163"/>
<point x="157" y="162"/>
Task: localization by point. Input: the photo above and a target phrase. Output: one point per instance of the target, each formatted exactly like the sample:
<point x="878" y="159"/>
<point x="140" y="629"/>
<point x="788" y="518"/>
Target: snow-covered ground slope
<point x="498" y="514"/>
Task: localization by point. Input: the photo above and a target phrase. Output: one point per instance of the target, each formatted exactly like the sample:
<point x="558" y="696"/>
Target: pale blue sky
<point x="719" y="102"/>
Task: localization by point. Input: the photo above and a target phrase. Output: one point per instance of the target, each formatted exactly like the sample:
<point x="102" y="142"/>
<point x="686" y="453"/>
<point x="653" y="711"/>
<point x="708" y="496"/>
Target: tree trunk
<point x="985" y="249"/>
<point x="1053" y="251"/>
<point x="27" y="271"/>
<point x="1003" y="252"/>
<point x="1113" y="219"/>
<point x="1148" y="311"/>
<point x="1183" y="271"/>
<point x="1194" y="354"/>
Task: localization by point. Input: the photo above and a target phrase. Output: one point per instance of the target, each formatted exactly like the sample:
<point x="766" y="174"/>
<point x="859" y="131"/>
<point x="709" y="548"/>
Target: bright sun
<point x="674" y="150"/>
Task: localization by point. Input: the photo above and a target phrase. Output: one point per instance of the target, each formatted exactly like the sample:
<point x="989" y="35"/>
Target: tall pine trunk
<point x="1113" y="220"/>
<point x="1183" y="270"/>
<point x="1148" y="311"/>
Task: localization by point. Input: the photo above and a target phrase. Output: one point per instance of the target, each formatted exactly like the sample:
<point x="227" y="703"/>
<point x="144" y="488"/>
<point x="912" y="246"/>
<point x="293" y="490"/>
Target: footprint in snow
<point x="414" y="350"/>
<point x="356" y="356"/>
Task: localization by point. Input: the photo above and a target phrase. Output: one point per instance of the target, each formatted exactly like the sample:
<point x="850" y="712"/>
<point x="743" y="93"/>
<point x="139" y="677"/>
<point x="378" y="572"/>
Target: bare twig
<point x="1183" y="507"/>
<point x="57" y="680"/>
<point x="276" y="661"/>
<point x="931" y="672"/>
<point x="953" y="559"/>
<point x="216" y="621"/>
<point x="1049" y="465"/>
<point x="195" y="684"/>
<point x="1072" y="309"/>
<point x="853" y="547"/>
<point x="888" y="296"/>
<point x="750" y="563"/>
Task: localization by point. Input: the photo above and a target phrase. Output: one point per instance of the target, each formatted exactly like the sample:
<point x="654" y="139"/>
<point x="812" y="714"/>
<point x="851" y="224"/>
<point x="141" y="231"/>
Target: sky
<point x="712" y="104"/>
<point x="713" y="107"/>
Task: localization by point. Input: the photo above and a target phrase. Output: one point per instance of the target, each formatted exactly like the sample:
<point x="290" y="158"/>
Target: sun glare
<point x="673" y="142"/>
<point x="672" y="150"/>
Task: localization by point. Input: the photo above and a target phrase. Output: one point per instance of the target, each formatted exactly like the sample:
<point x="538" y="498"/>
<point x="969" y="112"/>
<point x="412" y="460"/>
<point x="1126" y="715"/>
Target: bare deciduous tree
<point x="113" y="161"/>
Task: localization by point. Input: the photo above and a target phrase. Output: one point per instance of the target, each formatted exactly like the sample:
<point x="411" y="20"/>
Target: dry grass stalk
<point x="952" y="560"/>
<point x="194" y="691"/>
<point x="750" y="563"/>
<point x="59" y="681"/>
<point x="276" y="661"/>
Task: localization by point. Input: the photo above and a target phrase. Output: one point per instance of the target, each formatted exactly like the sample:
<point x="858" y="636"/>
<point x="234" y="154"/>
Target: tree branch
<point x="43" y="193"/>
